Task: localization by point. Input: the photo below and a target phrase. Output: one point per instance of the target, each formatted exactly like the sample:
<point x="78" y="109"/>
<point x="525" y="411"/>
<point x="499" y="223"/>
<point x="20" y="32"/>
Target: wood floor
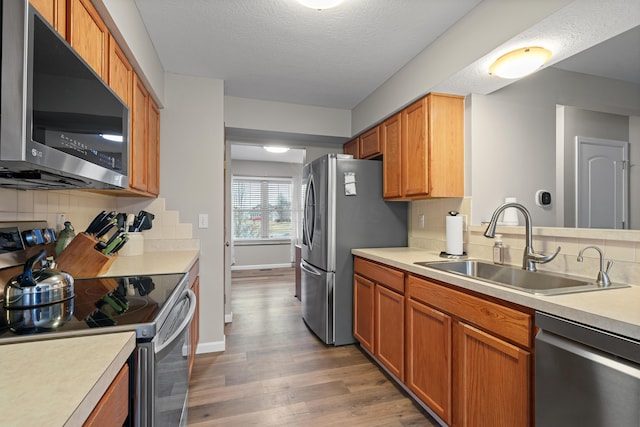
<point x="275" y="372"/>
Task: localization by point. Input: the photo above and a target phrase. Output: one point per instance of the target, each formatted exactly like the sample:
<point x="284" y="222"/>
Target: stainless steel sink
<point x="538" y="283"/>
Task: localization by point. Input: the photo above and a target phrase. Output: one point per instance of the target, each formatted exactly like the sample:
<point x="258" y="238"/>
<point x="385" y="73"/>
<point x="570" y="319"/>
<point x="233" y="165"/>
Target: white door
<point x="602" y="183"/>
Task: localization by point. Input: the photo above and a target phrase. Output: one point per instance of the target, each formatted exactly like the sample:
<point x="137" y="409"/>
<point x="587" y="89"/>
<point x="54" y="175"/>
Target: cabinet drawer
<point x="513" y="325"/>
<point x="393" y="279"/>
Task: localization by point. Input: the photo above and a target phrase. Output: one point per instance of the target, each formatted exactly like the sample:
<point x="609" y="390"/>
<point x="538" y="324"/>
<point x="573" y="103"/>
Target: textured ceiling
<point x="281" y="51"/>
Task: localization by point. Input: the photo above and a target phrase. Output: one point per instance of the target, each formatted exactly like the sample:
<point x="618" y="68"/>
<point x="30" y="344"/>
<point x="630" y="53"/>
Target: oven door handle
<point x="183" y="325"/>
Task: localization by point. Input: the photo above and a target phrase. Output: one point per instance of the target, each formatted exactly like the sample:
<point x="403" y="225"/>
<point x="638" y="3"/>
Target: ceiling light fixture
<point x="276" y="150"/>
<point x="520" y="62"/>
<point x="320" y="4"/>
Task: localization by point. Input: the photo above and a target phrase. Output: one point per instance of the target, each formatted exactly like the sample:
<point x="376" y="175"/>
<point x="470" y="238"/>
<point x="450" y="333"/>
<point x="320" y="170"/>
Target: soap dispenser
<point x="498" y="250"/>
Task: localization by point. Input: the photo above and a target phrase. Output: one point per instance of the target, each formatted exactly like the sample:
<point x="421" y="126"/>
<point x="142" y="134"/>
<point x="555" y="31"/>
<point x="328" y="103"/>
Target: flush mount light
<point x="520" y="62"/>
<point x="320" y="4"/>
<point x="114" y="138"/>
<point x="274" y="149"/>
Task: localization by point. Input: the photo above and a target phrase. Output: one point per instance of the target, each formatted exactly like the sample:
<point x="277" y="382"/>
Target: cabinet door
<point x="153" y="161"/>
<point x="113" y="407"/>
<point x="415" y="153"/>
<point x="194" y="330"/>
<point x="492" y="380"/>
<point x="389" y="330"/>
<point x="363" y="297"/>
<point x="139" y="137"/>
<point x="55" y="12"/>
<point x="369" y="143"/>
<point x="446" y="145"/>
<point x="351" y="147"/>
<point x="392" y="159"/>
<point x="429" y="357"/>
<point x="120" y="76"/>
<point x="88" y="35"/>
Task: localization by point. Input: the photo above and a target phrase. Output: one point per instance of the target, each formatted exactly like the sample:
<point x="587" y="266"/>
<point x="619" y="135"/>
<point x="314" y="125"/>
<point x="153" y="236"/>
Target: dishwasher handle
<point x="185" y="323"/>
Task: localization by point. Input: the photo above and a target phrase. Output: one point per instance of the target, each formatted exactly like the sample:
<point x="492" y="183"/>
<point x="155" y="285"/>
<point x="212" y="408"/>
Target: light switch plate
<point x="203" y="221"/>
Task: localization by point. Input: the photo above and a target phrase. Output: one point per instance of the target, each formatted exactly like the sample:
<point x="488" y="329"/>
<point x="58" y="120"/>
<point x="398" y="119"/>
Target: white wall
<point x="192" y="181"/>
<point x="283" y="117"/>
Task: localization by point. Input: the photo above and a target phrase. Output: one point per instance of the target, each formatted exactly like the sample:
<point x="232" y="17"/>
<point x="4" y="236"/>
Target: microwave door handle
<point x="183" y="325"/>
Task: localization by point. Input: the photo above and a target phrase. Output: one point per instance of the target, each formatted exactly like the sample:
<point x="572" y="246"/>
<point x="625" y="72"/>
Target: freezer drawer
<point x="317" y="301"/>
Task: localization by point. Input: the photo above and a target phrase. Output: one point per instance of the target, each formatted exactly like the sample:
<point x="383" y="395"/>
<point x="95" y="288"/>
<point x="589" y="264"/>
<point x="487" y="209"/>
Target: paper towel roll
<point x="454" y="235"/>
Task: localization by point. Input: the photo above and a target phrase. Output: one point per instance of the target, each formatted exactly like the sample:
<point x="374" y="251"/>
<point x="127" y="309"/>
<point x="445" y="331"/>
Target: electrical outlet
<point x="421" y="221"/>
<point x="465" y="223"/>
<point x="203" y="221"/>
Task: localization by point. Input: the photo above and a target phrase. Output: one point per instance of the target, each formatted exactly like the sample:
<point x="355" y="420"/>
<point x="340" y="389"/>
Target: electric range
<point x="102" y="305"/>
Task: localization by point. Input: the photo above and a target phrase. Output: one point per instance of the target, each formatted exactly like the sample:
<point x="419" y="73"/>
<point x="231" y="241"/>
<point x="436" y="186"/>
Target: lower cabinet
<point x="194" y="329"/>
<point x="113" y="407"/>
<point x="466" y="356"/>
<point x="379" y="313"/>
<point x="429" y="364"/>
<point x="389" y="335"/>
<point x="492" y="386"/>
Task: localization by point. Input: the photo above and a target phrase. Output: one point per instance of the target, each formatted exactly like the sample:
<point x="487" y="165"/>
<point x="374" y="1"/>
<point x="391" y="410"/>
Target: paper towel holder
<point x="447" y="255"/>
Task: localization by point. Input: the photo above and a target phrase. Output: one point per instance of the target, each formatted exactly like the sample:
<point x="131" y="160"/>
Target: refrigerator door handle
<point x="309" y="269"/>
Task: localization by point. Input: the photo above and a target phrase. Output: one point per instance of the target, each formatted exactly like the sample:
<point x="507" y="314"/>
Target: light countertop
<point x="614" y="310"/>
<point x="59" y="382"/>
<point x="153" y="263"/>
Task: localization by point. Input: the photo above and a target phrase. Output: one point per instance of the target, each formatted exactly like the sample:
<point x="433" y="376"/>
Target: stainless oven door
<point x="163" y="369"/>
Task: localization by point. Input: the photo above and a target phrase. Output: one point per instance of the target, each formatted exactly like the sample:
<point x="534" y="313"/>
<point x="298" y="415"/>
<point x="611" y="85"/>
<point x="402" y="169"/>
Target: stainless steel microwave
<point x="61" y="126"/>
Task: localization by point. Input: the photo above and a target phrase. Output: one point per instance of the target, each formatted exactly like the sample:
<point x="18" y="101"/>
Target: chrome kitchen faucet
<point x="530" y="257"/>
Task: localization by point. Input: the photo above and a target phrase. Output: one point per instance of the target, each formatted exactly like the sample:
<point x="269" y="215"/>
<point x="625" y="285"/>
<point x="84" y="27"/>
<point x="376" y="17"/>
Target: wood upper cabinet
<point x="351" y="147"/>
<point x="363" y="311"/>
<point x="431" y="160"/>
<point x="88" y="34"/>
<point x="153" y="155"/>
<point x="370" y="144"/>
<point x="392" y="160"/>
<point x="492" y="386"/>
<point x="120" y="72"/>
<point x="429" y="360"/>
<point x="55" y="12"/>
<point x="139" y="116"/>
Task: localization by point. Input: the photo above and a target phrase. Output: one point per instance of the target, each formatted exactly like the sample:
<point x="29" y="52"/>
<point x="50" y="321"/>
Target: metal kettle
<point x="35" y="288"/>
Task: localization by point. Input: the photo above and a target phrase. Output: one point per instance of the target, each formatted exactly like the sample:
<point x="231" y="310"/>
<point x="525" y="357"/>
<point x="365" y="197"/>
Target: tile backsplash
<point x="621" y="246"/>
<point x="80" y="207"/>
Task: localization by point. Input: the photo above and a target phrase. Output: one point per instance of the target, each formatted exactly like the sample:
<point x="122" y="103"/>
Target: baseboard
<point x="211" y="347"/>
<point x="260" y="266"/>
<point x="228" y="318"/>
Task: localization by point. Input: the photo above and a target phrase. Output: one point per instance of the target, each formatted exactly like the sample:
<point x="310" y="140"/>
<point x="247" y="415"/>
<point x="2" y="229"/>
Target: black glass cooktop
<point x="100" y="305"/>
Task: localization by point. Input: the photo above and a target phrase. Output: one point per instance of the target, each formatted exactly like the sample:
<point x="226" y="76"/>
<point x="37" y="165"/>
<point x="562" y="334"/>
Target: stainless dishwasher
<point x="585" y="377"/>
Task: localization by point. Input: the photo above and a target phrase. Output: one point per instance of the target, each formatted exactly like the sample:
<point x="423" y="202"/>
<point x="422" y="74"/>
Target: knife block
<point x="81" y="259"/>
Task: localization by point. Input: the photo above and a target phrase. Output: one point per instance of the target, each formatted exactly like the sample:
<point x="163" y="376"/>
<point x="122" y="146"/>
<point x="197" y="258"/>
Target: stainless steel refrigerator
<point x="343" y="209"/>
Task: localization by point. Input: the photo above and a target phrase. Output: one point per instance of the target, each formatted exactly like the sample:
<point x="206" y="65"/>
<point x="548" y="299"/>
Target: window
<point x="261" y="208"/>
